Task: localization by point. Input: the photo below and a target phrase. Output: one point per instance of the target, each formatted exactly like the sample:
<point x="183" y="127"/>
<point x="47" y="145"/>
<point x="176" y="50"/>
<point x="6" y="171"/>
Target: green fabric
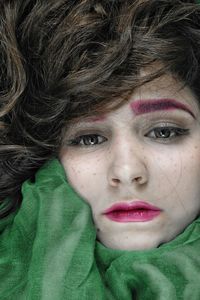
<point x="48" y="251"/>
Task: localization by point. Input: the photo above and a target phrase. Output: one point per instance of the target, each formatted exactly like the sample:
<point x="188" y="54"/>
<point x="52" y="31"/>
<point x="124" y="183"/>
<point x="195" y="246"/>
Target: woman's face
<point x="139" y="167"/>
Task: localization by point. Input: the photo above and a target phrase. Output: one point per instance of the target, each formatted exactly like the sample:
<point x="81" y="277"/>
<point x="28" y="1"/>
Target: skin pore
<point x="139" y="152"/>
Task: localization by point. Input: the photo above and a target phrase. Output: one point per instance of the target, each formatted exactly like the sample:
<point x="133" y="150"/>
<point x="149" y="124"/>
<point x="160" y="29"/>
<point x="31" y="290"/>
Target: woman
<point x="105" y="92"/>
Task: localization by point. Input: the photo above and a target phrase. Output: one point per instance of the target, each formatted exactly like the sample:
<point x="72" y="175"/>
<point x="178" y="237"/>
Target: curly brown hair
<point x="62" y="60"/>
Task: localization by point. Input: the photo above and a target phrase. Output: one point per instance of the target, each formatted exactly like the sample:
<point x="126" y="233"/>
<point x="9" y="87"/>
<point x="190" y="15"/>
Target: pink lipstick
<point x="135" y="211"/>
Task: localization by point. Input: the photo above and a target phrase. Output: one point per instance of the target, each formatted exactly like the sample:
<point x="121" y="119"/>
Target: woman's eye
<point x="87" y="140"/>
<point x="166" y="132"/>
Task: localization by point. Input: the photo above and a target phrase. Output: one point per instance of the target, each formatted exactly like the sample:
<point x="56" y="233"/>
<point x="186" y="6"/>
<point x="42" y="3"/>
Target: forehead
<point x="165" y="89"/>
<point x="164" y="93"/>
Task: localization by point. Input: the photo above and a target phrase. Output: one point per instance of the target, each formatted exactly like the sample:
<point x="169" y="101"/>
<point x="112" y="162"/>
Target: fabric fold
<point x="48" y="250"/>
<point x="49" y="246"/>
<point x="168" y="272"/>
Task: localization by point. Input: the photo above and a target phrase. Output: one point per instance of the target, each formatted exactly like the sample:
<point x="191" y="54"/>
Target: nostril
<point x="115" y="181"/>
<point x="137" y="179"/>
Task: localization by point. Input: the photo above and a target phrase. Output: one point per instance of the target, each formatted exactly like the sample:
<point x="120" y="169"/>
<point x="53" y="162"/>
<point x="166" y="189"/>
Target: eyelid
<point x="148" y="124"/>
<point x="172" y="128"/>
<point x="166" y="116"/>
<point x="175" y="134"/>
<point x="144" y="127"/>
<point x="76" y="131"/>
<point x="78" y="141"/>
<point x="73" y="136"/>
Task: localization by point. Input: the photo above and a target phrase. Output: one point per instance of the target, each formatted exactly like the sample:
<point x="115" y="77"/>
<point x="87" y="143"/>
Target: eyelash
<point x="172" y="133"/>
<point x="78" y="141"/>
<point x="96" y="139"/>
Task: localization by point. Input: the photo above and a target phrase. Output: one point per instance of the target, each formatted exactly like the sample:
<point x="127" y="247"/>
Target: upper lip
<point x="133" y="205"/>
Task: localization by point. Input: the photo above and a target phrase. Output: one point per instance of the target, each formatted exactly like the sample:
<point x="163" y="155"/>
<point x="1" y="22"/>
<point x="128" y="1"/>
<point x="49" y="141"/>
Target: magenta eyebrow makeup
<point x="97" y="119"/>
<point x="140" y="107"/>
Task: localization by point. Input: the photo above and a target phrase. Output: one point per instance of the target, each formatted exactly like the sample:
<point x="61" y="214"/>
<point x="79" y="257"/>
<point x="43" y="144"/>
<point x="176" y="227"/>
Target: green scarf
<point x="48" y="251"/>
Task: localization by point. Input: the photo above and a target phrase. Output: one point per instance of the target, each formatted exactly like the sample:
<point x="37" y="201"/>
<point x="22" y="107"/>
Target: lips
<point x="135" y="211"/>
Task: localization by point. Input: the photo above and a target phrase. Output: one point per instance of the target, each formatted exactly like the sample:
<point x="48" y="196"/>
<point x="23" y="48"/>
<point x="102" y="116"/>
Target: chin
<point x="133" y="240"/>
<point x="131" y="245"/>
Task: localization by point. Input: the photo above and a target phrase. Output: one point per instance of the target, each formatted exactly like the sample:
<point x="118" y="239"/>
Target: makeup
<point x="143" y="106"/>
<point x="97" y="118"/>
<point x="135" y="211"/>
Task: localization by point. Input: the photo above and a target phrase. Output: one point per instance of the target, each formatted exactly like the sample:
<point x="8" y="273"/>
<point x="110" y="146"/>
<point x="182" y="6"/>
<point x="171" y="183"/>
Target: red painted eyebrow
<point x="140" y="107"/>
<point x="97" y="119"/>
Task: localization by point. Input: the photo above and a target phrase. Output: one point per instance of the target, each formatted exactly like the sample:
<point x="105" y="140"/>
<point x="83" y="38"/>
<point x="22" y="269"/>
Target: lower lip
<point x="136" y="215"/>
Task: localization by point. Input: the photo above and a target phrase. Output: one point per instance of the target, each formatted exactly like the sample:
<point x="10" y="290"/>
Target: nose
<point x="128" y="166"/>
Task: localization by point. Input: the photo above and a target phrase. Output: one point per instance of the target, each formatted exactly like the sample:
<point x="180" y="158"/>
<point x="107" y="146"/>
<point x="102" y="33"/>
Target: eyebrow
<point x="97" y="119"/>
<point x="143" y="106"/>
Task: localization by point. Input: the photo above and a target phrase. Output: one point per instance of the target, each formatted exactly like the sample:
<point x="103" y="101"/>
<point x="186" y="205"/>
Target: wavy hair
<point x="63" y="60"/>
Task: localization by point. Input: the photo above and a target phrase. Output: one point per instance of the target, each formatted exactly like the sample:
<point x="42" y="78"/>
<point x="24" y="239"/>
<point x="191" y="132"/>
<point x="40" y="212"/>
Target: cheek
<point x="178" y="172"/>
<point x="165" y="167"/>
<point x="76" y="172"/>
<point x="81" y="172"/>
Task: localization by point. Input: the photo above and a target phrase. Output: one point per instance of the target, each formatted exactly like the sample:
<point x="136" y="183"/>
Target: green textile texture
<point x="48" y="251"/>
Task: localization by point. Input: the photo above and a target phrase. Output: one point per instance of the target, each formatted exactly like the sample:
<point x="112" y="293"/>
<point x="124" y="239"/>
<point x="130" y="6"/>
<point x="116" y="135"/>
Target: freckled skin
<point x="169" y="172"/>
